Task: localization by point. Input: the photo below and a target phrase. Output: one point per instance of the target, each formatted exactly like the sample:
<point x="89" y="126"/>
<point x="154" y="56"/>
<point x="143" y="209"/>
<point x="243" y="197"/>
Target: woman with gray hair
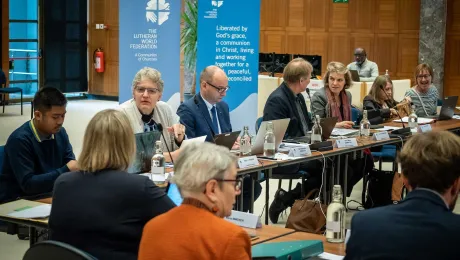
<point x="206" y="176"/>
<point x="145" y="110"/>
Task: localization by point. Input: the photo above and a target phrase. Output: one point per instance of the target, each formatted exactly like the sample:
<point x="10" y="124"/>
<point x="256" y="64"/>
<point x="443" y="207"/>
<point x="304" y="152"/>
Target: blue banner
<point x="150" y="37"/>
<point x="228" y="36"/>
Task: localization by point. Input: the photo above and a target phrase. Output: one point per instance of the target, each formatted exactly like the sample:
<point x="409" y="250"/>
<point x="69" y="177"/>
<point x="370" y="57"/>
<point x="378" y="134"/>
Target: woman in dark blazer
<point x="333" y="100"/>
<point x="102" y="209"/>
<point x="380" y="99"/>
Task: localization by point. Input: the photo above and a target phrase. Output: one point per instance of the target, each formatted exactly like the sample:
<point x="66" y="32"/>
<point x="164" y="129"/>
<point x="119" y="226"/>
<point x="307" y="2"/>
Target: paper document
<point x="42" y="211"/>
<point x="200" y="139"/>
<point x="342" y="131"/>
<point x="456" y="117"/>
<point x="155" y="177"/>
<point x="388" y="128"/>
<point x="420" y="120"/>
<point x="330" y="256"/>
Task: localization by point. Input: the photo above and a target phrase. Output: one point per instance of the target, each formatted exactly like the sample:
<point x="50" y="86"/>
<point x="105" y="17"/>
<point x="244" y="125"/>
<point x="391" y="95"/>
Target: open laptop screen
<point x="145" y="148"/>
<point x="174" y="194"/>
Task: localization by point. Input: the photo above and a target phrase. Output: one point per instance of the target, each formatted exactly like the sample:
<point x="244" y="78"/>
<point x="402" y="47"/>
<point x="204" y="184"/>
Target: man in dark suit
<point x="206" y="114"/>
<point x="422" y="226"/>
<point x="288" y="102"/>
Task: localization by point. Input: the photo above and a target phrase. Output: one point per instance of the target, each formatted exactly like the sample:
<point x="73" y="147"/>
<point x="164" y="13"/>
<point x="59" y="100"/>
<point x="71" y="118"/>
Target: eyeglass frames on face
<point x="219" y="89"/>
<point x="150" y="91"/>
<point x="238" y="182"/>
<point x="427" y="76"/>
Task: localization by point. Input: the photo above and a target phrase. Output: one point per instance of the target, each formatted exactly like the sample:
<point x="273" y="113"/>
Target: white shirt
<point x="209" y="106"/>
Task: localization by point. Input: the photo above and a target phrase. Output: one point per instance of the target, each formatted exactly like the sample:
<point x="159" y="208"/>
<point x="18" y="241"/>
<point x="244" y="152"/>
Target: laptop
<point x="145" y="148"/>
<point x="447" y="109"/>
<point x="279" y="129"/>
<point x="327" y="125"/>
<point x="227" y="139"/>
<point x="354" y="75"/>
<point x="173" y="193"/>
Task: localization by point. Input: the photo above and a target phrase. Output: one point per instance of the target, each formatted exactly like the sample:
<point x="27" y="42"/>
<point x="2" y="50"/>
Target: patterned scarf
<point x="334" y="107"/>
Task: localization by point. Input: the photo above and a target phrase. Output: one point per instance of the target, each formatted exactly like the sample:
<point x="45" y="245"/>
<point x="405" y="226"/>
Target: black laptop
<point x="447" y="109"/>
<point x="227" y="139"/>
<point x="327" y="124"/>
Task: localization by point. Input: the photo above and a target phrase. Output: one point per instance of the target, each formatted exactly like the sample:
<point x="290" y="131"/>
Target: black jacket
<point x="380" y="113"/>
<point x="420" y="227"/>
<point x="104" y="213"/>
<point x="281" y="104"/>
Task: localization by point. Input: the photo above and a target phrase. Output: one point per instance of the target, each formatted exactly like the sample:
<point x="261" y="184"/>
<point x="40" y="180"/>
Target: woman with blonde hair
<point x="380" y="99"/>
<point x="333" y="100"/>
<point x="102" y="209"/>
<point x="424" y="94"/>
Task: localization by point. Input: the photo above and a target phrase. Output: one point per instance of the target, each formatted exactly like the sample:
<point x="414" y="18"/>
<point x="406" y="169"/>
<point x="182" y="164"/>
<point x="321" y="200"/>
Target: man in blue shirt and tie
<point x="207" y="115"/>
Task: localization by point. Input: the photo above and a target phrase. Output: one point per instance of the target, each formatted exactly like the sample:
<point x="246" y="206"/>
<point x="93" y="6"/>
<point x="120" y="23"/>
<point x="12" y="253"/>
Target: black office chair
<point x="54" y="250"/>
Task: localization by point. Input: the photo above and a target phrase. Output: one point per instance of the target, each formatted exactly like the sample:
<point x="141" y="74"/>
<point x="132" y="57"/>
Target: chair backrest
<point x="439" y="102"/>
<point x="258" y="123"/>
<point x="2" y="155"/>
<point x="54" y="250"/>
<point x="355" y="115"/>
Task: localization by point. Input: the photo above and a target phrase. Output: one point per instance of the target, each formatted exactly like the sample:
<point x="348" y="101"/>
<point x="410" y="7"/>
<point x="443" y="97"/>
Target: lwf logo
<point x="217" y="3"/>
<point x="157" y="11"/>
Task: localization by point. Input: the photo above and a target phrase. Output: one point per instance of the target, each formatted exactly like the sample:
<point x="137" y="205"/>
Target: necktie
<point x="214" y="118"/>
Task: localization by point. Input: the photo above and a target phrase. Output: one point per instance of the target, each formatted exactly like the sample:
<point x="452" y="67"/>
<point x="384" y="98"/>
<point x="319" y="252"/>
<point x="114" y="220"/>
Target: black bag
<point x="377" y="187"/>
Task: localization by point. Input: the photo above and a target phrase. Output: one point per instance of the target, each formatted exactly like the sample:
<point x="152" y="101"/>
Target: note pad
<point x="42" y="211"/>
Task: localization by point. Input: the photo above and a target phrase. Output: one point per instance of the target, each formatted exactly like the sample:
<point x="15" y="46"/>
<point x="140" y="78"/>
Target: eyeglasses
<point x="219" y="89"/>
<point x="150" y="91"/>
<point x="238" y="182"/>
<point x="427" y="76"/>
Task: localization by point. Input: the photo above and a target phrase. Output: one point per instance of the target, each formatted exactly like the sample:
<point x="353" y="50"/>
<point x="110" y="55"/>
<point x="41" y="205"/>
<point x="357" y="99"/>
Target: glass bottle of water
<point x="269" y="143"/>
<point x="413" y="121"/>
<point x="158" y="162"/>
<point x="365" y="126"/>
<point x="245" y="142"/>
<point x="386" y="73"/>
<point x="335" y="220"/>
<point x="316" y="131"/>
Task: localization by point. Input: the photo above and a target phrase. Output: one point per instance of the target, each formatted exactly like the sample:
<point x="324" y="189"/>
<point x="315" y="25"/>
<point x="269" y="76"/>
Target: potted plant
<point x="189" y="46"/>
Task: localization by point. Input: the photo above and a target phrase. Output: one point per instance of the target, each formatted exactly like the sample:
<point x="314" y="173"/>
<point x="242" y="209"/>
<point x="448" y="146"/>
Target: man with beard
<point x="422" y="226"/>
<point x="367" y="70"/>
<point x="39" y="151"/>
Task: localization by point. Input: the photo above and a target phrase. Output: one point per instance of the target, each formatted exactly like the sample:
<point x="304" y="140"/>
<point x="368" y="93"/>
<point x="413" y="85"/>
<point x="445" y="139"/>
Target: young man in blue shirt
<point x="38" y="151"/>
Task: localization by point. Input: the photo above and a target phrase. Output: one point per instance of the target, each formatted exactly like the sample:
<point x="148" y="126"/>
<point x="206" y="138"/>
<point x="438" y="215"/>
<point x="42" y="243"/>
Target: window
<point x="23" y="47"/>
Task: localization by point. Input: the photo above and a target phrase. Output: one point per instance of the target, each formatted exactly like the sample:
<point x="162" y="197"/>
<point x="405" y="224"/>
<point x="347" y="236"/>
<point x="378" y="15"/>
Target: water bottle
<point x="158" y="162"/>
<point x="316" y="131"/>
<point x="413" y="121"/>
<point x="269" y="142"/>
<point x="245" y="142"/>
<point x="335" y="220"/>
<point x="365" y="126"/>
<point x="386" y="73"/>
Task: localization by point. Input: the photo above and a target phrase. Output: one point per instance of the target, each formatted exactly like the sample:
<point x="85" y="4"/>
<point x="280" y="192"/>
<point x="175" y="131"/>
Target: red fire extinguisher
<point x="98" y="56"/>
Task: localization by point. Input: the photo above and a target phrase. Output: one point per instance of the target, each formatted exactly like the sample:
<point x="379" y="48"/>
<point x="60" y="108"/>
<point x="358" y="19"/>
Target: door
<point x="64" y="44"/>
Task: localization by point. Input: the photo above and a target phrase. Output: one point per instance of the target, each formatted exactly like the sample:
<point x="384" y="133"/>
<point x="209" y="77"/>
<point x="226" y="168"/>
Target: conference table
<point x="261" y="235"/>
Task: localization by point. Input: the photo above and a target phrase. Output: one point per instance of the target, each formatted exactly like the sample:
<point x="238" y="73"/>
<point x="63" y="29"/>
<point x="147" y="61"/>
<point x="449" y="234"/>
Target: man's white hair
<point x="199" y="163"/>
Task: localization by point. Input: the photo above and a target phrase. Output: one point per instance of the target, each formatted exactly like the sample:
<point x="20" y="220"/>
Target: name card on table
<point x="424" y="128"/>
<point x="380" y="136"/>
<point x="248" y="161"/>
<point x="346" y="143"/>
<point x="244" y="219"/>
<point x="299" y="151"/>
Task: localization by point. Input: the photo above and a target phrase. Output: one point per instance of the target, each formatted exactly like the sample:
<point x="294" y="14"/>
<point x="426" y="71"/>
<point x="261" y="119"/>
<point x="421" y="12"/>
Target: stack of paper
<point x="343" y="131"/>
<point x="420" y="120"/>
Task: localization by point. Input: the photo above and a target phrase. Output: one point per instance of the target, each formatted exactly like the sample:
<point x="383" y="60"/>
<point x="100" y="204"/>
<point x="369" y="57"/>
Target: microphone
<point x="308" y="93"/>
<point x="160" y="128"/>
<point x="386" y="94"/>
